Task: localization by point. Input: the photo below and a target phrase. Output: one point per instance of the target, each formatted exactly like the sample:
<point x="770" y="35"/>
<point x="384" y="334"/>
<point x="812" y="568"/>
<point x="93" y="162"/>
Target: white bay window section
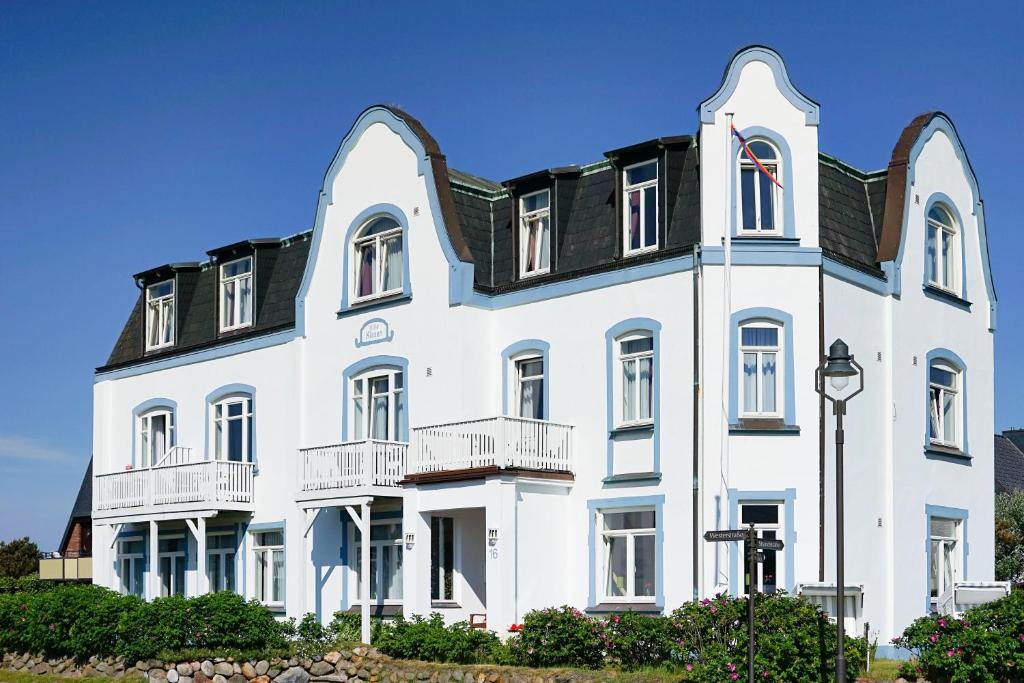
<point x="945" y="556"/>
<point x="236" y="294"/>
<point x="759" y="366"/>
<point x="535" y="233"/>
<point x="131" y="565"/>
<point x="160" y="315"/>
<point x="220" y="560"/>
<point x="155" y="435"/>
<point x="529" y="398"/>
<point x="640" y="204"/>
<point x="378" y="260"/>
<point x="385" y="562"/>
<point x="442" y="559"/>
<point x="171" y="562"/>
<point x="942" y="250"/>
<point x="629" y="556"/>
<point x="636" y="379"/>
<point x="232" y="428"/>
<point x="759" y="195"/>
<point x="268" y="548"/>
<point x="378" y="405"/>
<point x="944" y="404"/>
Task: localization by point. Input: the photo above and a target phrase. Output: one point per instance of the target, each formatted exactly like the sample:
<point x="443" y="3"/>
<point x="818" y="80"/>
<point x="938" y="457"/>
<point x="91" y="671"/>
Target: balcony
<point x="330" y="471"/>
<point x="176" y="483"/>
<point x="70" y="567"/>
<point x="495" y="443"/>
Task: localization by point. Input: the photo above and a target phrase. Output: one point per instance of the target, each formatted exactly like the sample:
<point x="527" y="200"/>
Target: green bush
<point x="346" y="627"/>
<point x="430" y="640"/>
<point x="560" y="636"/>
<point x="636" y="641"/>
<point x="985" y="646"/>
<point x="24" y="584"/>
<point x="794" y="640"/>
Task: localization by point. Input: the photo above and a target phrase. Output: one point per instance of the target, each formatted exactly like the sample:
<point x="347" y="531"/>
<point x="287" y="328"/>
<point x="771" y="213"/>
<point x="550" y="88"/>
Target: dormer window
<point x="236" y="294"/>
<point x="535" y="233"/>
<point x="377" y="251"/>
<point x="640" y="204"/>
<point x="160" y="315"/>
<point x="758" y="191"/>
<point x="941" y="257"/>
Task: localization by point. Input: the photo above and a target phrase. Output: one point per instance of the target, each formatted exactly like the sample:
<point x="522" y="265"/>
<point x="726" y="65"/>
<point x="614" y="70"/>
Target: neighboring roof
<point x="82" y="507"/>
<point x="896" y="187"/>
<point x="848" y="205"/>
<point x="1009" y="461"/>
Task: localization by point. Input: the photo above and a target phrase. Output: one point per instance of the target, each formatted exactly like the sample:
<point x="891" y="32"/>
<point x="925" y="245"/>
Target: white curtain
<point x="646" y="388"/>
<point x="768" y="382"/>
<point x="750" y="382"/>
<point x="545" y="244"/>
<point x="947" y="256"/>
<point x="380" y="417"/>
<point x="393" y="263"/>
<point x="931" y="254"/>
<point x="245" y="303"/>
<point x="628" y="390"/>
<point x="615" y="566"/>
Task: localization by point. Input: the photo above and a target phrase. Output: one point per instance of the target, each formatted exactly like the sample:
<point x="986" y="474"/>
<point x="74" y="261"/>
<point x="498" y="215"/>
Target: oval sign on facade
<point x="374" y="331"/>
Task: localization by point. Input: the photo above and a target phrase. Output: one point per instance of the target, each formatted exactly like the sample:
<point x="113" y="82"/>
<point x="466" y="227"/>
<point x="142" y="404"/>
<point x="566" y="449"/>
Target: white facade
<point x="528" y="500"/>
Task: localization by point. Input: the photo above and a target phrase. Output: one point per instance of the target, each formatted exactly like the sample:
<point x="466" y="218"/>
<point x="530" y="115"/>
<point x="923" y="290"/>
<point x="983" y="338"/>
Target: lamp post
<point x="838" y="368"/>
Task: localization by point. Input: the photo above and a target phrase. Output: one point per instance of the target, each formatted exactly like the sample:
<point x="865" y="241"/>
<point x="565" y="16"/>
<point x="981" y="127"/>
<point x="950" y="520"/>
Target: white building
<point x="545" y="391"/>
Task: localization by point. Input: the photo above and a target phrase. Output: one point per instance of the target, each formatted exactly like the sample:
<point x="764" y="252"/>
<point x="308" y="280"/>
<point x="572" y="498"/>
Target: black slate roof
<point x="82" y="509"/>
<point x="1009" y="462"/>
<point x="849" y="213"/>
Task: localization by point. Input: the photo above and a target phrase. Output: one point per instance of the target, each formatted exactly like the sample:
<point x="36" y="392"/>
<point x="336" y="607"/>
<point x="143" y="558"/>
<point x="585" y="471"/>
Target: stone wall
<point x="359" y="664"/>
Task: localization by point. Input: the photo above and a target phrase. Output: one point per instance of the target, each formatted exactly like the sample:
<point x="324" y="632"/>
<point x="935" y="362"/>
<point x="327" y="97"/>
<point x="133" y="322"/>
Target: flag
<point x="750" y="155"/>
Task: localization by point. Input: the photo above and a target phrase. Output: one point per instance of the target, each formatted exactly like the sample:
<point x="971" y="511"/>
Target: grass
<point x="22" y="677"/>
<point x="882" y="670"/>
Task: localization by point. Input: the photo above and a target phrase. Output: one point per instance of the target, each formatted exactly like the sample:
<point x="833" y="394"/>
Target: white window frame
<point x="220" y="558"/>
<point x="144" y="432"/>
<point x="937" y="554"/>
<point x="759" y="412"/>
<point x="630" y="535"/>
<point x="174" y="557"/>
<point x="640" y="187"/>
<point x="938" y="267"/>
<point x="379" y="259"/>
<point x="126" y="582"/>
<point x="220" y="422"/>
<point x="634" y="358"/>
<point x="361" y="392"/>
<point x="518" y="364"/>
<point x="456" y="597"/>
<point x="163" y="307"/>
<point x="526" y="221"/>
<point x="357" y="566"/>
<point x="265" y="554"/>
<point x="774" y="166"/>
<point x="778" y="528"/>
<point x="236" y="309"/>
<point x="935" y="418"/>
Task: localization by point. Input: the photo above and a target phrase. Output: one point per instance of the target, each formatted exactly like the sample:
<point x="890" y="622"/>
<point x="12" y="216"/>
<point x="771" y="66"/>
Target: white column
<point x="202" y="580"/>
<point x="415" y="559"/>
<point x="154" y="560"/>
<point x="501" y="580"/>
<point x="364" y="531"/>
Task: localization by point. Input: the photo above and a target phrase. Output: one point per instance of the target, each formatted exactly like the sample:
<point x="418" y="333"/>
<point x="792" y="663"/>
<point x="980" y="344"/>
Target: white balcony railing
<point x="209" y="482"/>
<point x="492" y="442"/>
<point x="356" y="463"/>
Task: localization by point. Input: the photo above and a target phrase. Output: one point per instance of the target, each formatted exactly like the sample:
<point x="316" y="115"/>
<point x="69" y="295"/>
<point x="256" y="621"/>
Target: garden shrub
<point x="24" y="584"/>
<point x="346" y="627"/>
<point x="985" y="646"/>
<point x="430" y="640"/>
<point x="560" y="636"/>
<point x="636" y="641"/>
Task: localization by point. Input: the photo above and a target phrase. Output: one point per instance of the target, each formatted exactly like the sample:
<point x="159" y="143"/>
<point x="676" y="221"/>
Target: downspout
<point x="697" y="397"/>
<point x="821" y="428"/>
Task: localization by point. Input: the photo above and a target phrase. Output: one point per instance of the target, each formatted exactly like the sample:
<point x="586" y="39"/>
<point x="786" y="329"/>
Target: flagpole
<point x="726" y="321"/>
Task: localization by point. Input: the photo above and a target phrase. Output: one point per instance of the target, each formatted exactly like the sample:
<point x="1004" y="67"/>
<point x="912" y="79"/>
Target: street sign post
<point x="756" y="553"/>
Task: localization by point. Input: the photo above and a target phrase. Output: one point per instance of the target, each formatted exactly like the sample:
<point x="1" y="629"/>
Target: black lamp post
<point x="838" y="368"/>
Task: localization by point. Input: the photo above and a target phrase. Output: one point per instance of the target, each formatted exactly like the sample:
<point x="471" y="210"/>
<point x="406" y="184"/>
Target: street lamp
<point x="838" y="368"/>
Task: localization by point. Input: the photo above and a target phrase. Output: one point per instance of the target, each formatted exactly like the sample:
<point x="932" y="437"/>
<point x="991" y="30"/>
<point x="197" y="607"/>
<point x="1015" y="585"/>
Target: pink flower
<point x="734" y="676"/>
<point x="764" y="674"/>
<point x="689" y="667"/>
<point x="705" y="602"/>
<point x="934" y="637"/>
<point x="949" y="653"/>
<point x="942" y="623"/>
<point x="730" y="666"/>
<point x="714" y="609"/>
<point x="616" y="619"/>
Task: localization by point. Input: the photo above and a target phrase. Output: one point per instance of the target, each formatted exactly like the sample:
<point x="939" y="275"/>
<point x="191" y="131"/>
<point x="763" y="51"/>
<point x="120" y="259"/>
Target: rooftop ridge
<point x="850" y="169"/>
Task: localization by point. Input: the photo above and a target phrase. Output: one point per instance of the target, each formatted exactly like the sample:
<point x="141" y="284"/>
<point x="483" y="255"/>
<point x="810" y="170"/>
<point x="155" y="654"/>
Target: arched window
<point x="155" y="434"/>
<point x="759" y="355"/>
<point x="232" y="428"/>
<point x="942" y="250"/>
<point x="944" y="403"/>
<point x="378" y="405"/>
<point x="377" y="259"/>
<point x="759" y="195"/>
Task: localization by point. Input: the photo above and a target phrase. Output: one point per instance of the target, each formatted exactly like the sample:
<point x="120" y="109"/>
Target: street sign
<point x="726" y="535"/>
<point x="769" y="544"/>
<point x="760" y="555"/>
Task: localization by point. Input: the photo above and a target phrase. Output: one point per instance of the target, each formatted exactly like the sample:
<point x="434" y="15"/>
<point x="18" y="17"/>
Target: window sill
<point x="357" y="307"/>
<point x="631" y="428"/>
<point x="939" y="294"/>
<point x="445" y="604"/>
<point x="275" y="607"/>
<point x="633" y="478"/>
<point x="638" y="606"/>
<point x="770" y="238"/>
<point x="639" y="252"/>
<point x="534" y="273"/>
<point x="236" y="328"/>
<point x="936" y="451"/>
<point x="378" y="610"/>
<point x="763" y="426"/>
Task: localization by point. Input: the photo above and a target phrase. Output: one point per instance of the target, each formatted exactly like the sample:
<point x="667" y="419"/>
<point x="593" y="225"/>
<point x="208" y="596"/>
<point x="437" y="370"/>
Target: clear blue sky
<point x="137" y="134"/>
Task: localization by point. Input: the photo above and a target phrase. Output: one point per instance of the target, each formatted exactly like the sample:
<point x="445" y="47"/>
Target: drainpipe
<point x="697" y="413"/>
<point x="821" y="428"/>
